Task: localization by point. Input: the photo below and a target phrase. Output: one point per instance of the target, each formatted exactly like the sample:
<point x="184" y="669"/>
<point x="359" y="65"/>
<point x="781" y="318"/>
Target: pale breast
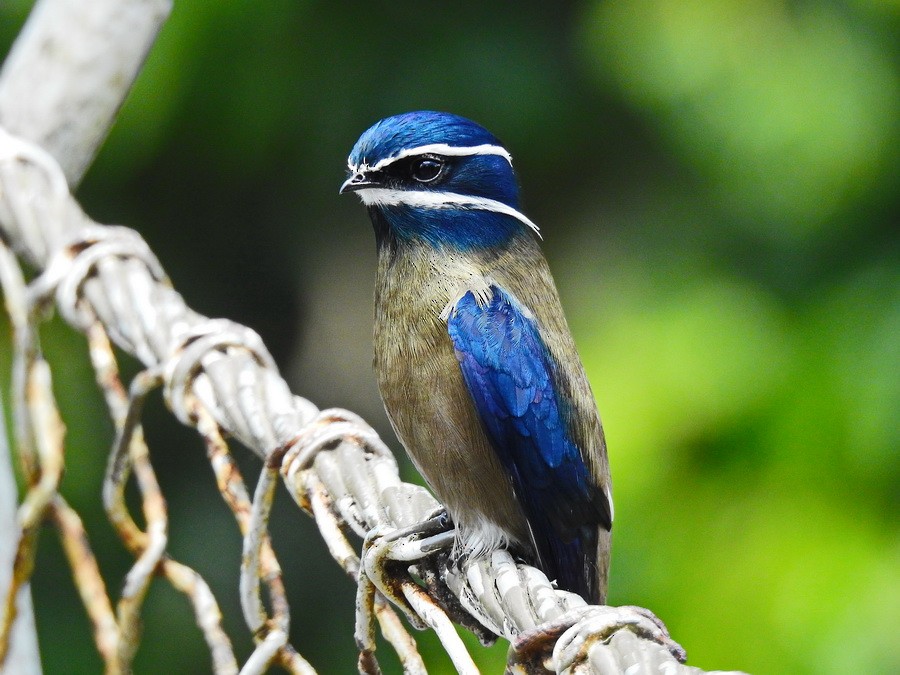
<point x="427" y="401"/>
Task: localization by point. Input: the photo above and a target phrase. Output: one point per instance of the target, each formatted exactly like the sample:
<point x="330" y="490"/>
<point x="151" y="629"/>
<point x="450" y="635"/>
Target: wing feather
<point x="511" y="377"/>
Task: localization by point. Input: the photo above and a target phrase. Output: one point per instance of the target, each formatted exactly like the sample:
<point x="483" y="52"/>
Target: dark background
<point x="716" y="182"/>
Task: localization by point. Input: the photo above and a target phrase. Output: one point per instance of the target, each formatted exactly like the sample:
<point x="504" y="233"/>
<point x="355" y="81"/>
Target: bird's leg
<point x="387" y="556"/>
<point x="386" y="561"/>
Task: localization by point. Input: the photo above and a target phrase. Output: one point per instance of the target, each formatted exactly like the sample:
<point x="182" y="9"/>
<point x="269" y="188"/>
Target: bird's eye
<point x="426" y="169"/>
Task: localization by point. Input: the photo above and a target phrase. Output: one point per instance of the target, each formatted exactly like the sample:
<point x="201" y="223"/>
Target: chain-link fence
<point x="218" y="377"/>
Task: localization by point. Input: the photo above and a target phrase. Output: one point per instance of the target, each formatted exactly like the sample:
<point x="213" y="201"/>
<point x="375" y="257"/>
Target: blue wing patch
<point x="511" y="378"/>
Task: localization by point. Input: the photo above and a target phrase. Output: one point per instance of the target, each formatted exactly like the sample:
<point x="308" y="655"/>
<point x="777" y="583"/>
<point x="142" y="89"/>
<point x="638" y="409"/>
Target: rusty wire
<point x="218" y="377"/>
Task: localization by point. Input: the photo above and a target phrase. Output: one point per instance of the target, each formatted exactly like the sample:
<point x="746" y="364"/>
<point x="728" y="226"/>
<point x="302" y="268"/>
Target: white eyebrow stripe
<point x="435" y="149"/>
<point x="427" y="199"/>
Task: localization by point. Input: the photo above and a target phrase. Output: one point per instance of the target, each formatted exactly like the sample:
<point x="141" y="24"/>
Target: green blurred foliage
<point x="717" y="183"/>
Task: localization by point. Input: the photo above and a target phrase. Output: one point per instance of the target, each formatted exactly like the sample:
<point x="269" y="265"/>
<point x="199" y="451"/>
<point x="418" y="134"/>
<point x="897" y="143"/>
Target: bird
<point x="476" y="366"/>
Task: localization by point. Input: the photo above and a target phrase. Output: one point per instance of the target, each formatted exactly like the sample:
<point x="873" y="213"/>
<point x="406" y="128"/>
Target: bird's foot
<point x="388" y="554"/>
<point x="401" y="565"/>
<point x="569" y="640"/>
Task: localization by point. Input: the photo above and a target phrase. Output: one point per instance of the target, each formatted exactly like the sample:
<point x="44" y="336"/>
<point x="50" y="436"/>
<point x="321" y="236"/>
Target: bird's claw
<point x="387" y="555"/>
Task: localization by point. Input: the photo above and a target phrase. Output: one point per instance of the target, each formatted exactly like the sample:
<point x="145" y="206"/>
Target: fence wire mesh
<point x="218" y="377"/>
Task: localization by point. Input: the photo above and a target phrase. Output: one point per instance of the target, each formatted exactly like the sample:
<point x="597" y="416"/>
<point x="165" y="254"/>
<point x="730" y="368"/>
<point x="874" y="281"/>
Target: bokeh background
<point x="717" y="184"/>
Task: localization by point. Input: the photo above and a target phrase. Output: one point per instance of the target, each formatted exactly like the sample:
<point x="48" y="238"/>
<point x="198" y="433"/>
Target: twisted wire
<point x="218" y="376"/>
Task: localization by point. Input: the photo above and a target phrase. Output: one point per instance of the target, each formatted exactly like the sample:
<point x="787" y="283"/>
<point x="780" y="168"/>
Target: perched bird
<point x="476" y="366"/>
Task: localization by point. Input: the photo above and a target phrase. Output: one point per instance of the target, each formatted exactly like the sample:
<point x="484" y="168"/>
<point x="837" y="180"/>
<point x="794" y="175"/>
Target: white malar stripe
<point x="435" y="149"/>
<point x="425" y="199"/>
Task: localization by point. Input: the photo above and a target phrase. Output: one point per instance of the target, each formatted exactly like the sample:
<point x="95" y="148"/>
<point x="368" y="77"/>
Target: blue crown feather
<point x="388" y="137"/>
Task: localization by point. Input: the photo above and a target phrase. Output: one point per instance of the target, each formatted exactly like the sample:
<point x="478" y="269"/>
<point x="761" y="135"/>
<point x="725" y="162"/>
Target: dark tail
<point x="581" y="564"/>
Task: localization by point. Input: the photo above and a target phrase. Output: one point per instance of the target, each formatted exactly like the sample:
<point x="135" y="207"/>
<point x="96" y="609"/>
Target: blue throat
<point x="455" y="229"/>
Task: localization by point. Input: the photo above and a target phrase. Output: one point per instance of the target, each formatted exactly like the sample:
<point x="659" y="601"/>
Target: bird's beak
<point x="358" y="181"/>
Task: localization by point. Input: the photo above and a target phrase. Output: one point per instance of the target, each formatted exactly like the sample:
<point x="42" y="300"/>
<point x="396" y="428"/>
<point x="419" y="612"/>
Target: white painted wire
<point x="109" y="274"/>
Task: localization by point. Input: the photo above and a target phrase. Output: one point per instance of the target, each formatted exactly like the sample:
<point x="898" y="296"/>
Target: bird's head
<point x="438" y="178"/>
